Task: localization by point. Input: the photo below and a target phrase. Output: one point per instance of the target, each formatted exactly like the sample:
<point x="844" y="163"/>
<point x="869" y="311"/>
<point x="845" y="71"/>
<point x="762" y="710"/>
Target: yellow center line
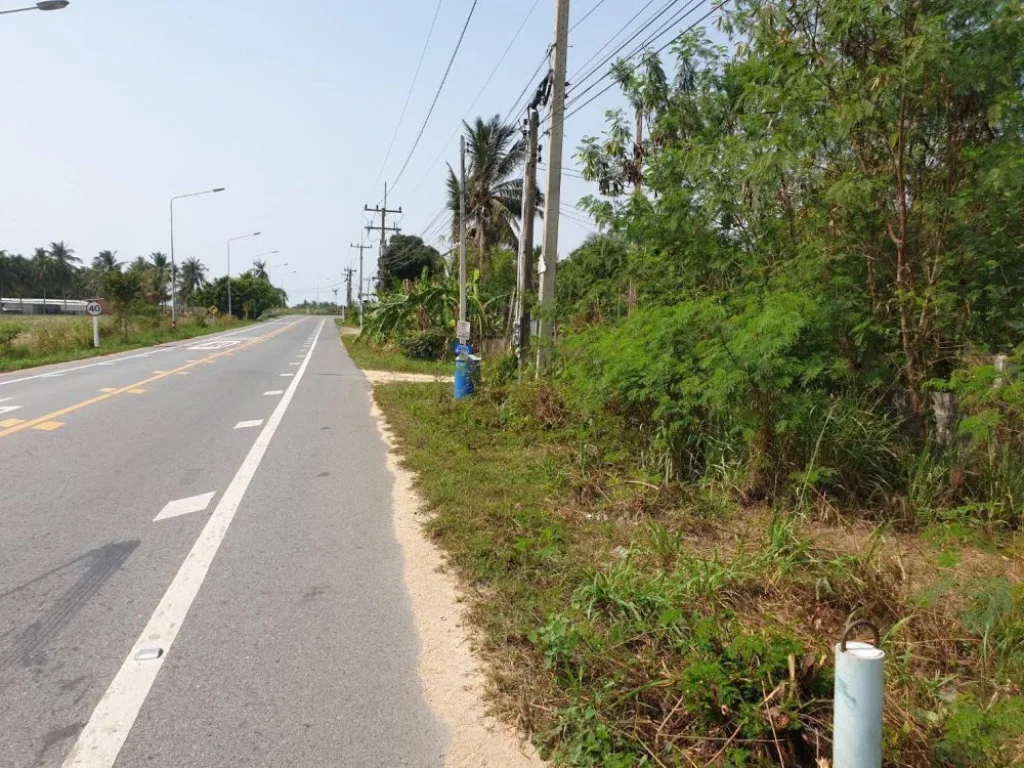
<point x="123" y="390"/>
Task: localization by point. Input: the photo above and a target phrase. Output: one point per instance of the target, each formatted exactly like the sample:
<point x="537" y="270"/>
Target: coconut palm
<point x="192" y="277"/>
<point x="63" y="261"/>
<point x="493" y="193"/>
<point x="159" y="276"/>
<point x="42" y="267"/>
<point x="105" y="261"/>
<point x="259" y="270"/>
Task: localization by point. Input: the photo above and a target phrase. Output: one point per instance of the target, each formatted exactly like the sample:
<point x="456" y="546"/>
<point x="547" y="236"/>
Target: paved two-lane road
<point x="197" y="564"/>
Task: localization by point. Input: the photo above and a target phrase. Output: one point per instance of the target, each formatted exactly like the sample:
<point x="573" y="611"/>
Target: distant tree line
<point x="55" y="272"/>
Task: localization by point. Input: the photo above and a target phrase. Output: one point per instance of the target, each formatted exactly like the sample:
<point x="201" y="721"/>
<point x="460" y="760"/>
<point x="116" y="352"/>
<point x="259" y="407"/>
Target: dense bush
<point x="425" y="345"/>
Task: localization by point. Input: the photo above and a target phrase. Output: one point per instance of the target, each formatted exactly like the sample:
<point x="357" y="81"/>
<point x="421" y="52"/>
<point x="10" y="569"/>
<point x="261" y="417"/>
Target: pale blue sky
<point x="110" y="107"/>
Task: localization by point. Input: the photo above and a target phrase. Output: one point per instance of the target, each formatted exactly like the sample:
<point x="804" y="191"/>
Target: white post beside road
<point x="859" y="693"/>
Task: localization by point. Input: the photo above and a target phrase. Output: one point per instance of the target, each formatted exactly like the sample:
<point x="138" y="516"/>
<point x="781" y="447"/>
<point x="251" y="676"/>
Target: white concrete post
<point x="859" y="691"/>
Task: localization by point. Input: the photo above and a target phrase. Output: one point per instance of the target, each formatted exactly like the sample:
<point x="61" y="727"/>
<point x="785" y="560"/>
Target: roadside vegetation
<point x="383" y="356"/>
<point x="786" y="394"/>
<point x="29" y="341"/>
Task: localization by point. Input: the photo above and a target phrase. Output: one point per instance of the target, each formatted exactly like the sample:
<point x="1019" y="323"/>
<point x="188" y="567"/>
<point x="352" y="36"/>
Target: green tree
<point x="62" y="266"/>
<point x="125" y="294"/>
<point x="42" y="271"/>
<point x="493" y="190"/>
<point x="159" y="277"/>
<point x="192" y="277"/>
<point x="405" y="258"/>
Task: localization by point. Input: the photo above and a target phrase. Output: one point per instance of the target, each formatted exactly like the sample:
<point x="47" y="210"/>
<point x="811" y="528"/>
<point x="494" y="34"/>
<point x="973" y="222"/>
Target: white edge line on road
<point x="287" y="374"/>
<point x="101" y="740"/>
<point x="248" y="424"/>
<point x="185" y="506"/>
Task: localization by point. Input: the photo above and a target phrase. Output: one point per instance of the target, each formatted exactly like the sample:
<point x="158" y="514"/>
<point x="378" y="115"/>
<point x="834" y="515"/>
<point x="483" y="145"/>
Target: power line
<point x="673" y="20"/>
<point x="648" y="4"/>
<point x="597" y="5"/>
<point x="437" y="95"/>
<point x="604" y="90"/>
<point x="408" y="95"/>
<point x="480" y="93"/>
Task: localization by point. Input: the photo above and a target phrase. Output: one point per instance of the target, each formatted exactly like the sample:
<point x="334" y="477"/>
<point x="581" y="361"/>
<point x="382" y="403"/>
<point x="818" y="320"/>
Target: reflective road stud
<point x="860" y="686"/>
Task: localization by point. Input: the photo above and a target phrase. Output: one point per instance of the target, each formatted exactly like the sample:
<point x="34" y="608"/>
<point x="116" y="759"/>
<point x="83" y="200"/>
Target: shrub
<point x="425" y="345"/>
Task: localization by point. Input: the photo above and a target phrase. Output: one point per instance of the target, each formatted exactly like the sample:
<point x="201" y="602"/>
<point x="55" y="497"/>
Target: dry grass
<point x="630" y="623"/>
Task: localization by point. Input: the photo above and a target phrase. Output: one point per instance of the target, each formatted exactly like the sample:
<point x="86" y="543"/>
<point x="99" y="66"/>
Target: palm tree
<point x="493" y="195"/>
<point x="63" y="261"/>
<point x="103" y="263"/>
<point x="43" y="269"/>
<point x="159" y="276"/>
<point x="259" y="270"/>
<point x="192" y="277"/>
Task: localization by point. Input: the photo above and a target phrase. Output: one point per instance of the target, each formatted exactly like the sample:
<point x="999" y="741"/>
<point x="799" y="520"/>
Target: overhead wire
<point x="675" y="19"/>
<point x="437" y="94"/>
<point x="604" y="90"/>
<point x="480" y="93"/>
<point x="408" y="96"/>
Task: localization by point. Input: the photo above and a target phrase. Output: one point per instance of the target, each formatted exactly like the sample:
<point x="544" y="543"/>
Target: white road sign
<point x="94" y="308"/>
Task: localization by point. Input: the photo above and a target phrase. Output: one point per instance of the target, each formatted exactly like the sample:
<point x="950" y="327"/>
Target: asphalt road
<point x="197" y="565"/>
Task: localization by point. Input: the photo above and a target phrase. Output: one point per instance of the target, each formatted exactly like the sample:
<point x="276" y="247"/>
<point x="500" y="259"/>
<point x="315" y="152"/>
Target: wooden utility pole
<point x="553" y="193"/>
<point x="525" y="261"/>
<point x="361" y="248"/>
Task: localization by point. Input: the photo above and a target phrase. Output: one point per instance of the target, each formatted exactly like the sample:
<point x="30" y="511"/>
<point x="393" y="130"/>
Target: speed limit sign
<point x="94" y="308"/>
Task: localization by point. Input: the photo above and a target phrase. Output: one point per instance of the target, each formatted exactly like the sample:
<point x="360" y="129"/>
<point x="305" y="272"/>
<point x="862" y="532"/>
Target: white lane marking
<point x="5" y="399"/>
<point x="103" y="736"/>
<point x="53" y="375"/>
<point x="286" y="375"/>
<point x="185" y="506"/>
<point x="8" y="408"/>
<point x="273" y="392"/>
<point x="167" y="347"/>
<point x="248" y="424"/>
<point x="294" y="363"/>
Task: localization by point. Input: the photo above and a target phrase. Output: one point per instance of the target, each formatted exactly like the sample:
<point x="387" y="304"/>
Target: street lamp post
<point x="286" y="274"/>
<point x="274" y="266"/>
<point x="44" y="5"/>
<point x="174" y="275"/>
<point x="258" y="256"/>
<point x="231" y="240"/>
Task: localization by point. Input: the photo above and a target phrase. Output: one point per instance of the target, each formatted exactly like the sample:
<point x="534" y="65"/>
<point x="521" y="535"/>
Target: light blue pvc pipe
<point x="860" y="685"/>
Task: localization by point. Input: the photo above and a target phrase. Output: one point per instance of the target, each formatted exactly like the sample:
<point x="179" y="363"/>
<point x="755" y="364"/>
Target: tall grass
<point x="28" y="341"/>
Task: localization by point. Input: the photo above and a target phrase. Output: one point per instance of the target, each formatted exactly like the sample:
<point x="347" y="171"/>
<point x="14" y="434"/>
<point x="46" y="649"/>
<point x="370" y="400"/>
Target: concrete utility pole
<point x="525" y="261"/>
<point x="461" y="330"/>
<point x="553" y="193"/>
<point x="359" y="286"/>
<point x="383" y="228"/>
<point x="348" y="289"/>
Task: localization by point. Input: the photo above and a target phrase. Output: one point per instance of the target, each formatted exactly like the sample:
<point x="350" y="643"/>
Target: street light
<point x="230" y="241"/>
<point x="44" y="5"/>
<point x="286" y="274"/>
<point x="274" y="266"/>
<point x="174" y="308"/>
<point x="257" y="256"/>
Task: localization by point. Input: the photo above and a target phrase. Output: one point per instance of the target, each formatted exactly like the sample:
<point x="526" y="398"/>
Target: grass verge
<point x="387" y="358"/>
<point x="629" y="624"/>
<point x="26" y="342"/>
